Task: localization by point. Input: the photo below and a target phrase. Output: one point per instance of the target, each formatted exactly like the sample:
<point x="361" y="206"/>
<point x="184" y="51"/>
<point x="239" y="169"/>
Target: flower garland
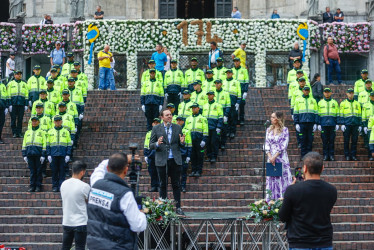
<point x="348" y="37"/>
<point x="8" y="39"/>
<point x="40" y="39"/>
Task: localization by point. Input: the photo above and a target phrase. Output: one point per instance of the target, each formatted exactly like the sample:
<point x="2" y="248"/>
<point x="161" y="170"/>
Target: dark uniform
<point x="150" y="155"/>
<point x="3" y="107"/>
<point x="186" y="153"/>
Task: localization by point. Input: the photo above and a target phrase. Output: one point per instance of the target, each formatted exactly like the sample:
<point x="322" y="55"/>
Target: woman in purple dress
<point x="277" y="138"/>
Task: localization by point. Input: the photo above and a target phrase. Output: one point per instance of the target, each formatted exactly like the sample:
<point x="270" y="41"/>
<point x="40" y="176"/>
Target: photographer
<point x="113" y="214"/>
<point x="307" y="206"/>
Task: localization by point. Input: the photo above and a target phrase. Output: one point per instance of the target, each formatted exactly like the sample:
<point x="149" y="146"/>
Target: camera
<point x="299" y="175"/>
<point x="135" y="165"/>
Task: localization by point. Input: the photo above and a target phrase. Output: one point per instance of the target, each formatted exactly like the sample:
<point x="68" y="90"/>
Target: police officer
<point x="113" y="215"/>
<point x="306" y="119"/>
<point x="71" y="107"/>
<point x="146" y="74"/>
<point x="291" y="77"/>
<point x="241" y="75"/>
<point x="67" y="121"/>
<point x="360" y="83"/>
<point x="219" y="71"/>
<point x="186" y="152"/>
<point x="76" y="96"/>
<point x="364" y="95"/>
<point x="173" y="84"/>
<point x="59" y="151"/>
<point x="35" y="84"/>
<point x="294" y="86"/>
<point x="367" y="113"/>
<point x="3" y="107"/>
<point x="59" y="82"/>
<point x="82" y="84"/>
<point x="350" y="121"/>
<point x="151" y="98"/>
<point x="81" y="75"/>
<point x="18" y="94"/>
<point x="49" y="107"/>
<point x="53" y="94"/>
<point x="213" y="112"/>
<point x="198" y="126"/>
<point x="233" y="87"/>
<point x="69" y="65"/>
<point x="171" y="107"/>
<point x="149" y="157"/>
<point x="222" y="97"/>
<point x="34" y="151"/>
<point x="192" y="74"/>
<point x="45" y="123"/>
<point x="199" y="95"/>
<point x="371" y="141"/>
<point x="328" y="112"/>
<point x="208" y="83"/>
<point x="185" y="106"/>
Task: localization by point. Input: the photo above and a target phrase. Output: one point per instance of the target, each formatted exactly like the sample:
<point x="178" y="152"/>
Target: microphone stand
<point x="264" y="164"/>
<point x="167" y="157"/>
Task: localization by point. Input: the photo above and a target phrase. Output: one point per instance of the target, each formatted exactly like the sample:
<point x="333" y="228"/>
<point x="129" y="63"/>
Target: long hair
<point x="316" y="75"/>
<point x="280" y="118"/>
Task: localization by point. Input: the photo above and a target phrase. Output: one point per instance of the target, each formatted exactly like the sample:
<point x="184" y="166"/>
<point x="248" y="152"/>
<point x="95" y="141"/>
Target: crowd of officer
<point x="354" y="115"/>
<point x="208" y="106"/>
<point x="56" y="105"/>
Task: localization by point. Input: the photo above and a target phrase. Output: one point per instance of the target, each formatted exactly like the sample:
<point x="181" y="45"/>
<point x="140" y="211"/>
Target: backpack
<point x="327" y="48"/>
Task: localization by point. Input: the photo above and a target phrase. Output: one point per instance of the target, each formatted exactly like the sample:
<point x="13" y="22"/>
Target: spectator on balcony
<point x="48" y="20"/>
<point x="236" y="13"/>
<point x="308" y="216"/>
<point x="57" y="55"/>
<point x="160" y="58"/>
<point x="214" y="54"/>
<point x="339" y="16"/>
<point x="317" y="88"/>
<point x="327" y="17"/>
<point x="275" y="14"/>
<point x="332" y="59"/>
<point x="294" y="54"/>
<point x="99" y="14"/>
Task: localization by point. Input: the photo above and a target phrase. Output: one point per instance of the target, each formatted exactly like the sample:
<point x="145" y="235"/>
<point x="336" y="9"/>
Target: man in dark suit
<point x="167" y="139"/>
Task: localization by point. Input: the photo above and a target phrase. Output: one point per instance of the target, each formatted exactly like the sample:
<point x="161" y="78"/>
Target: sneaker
<point x="192" y="174"/>
<point x="14" y="135"/>
<point x="38" y="189"/>
<point x="180" y="212"/>
<point x="31" y="189"/>
<point x="197" y="174"/>
<point x="183" y="189"/>
<point x="55" y="190"/>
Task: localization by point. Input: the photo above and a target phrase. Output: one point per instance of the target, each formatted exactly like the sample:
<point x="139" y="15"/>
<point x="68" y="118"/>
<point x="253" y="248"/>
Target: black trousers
<point x="77" y="134"/>
<point x="366" y="141"/>
<point x="16" y="117"/>
<point x="232" y="120"/>
<point x="197" y="157"/>
<point x="241" y="111"/>
<point x="58" y="170"/>
<point x="152" y="170"/>
<point x="328" y="139"/>
<point x="350" y="134"/>
<point x="35" y="171"/>
<point x="306" y="137"/>
<point x="2" y="120"/>
<point x="223" y="135"/>
<point x="151" y="112"/>
<point x="184" y="171"/>
<point x="174" y="99"/>
<point x="174" y="172"/>
<point x="79" y="234"/>
<point x="212" y="144"/>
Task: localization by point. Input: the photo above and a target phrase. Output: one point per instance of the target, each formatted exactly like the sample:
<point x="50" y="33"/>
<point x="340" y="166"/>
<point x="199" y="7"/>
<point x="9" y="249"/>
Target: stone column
<point x="19" y="57"/>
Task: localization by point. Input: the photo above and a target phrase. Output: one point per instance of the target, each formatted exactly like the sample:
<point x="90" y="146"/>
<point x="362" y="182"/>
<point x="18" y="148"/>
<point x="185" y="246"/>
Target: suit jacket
<point x="174" y="145"/>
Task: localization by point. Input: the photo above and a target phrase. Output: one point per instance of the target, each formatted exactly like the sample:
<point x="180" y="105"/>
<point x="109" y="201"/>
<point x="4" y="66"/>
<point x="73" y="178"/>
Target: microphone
<point x="267" y="123"/>
<point x="168" y="126"/>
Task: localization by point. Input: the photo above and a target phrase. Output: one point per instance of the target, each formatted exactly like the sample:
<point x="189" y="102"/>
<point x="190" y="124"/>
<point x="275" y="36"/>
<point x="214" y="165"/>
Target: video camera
<point x="134" y="175"/>
<point x="299" y="175"/>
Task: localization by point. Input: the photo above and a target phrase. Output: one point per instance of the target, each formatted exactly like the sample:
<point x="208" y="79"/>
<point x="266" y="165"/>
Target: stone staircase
<point x="113" y="119"/>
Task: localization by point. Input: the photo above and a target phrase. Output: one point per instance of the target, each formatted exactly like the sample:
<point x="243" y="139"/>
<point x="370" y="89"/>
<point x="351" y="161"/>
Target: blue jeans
<point x="106" y="79"/>
<point x="334" y="65"/>
<point x="317" y="248"/>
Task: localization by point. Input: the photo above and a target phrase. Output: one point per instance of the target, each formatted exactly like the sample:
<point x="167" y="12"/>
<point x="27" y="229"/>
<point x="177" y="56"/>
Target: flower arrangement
<point x="77" y="41"/>
<point x="263" y="210"/>
<point x="159" y="211"/>
<point x="8" y="38"/>
<point x="349" y="37"/>
<point x="314" y="35"/>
